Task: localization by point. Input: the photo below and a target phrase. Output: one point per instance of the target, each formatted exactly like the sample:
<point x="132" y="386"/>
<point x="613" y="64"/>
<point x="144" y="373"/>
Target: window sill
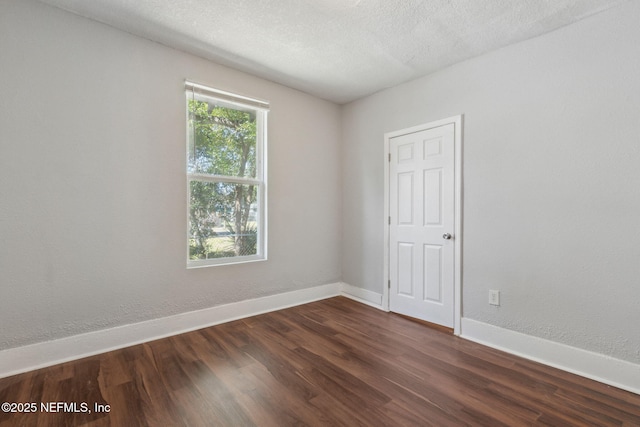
<point x="224" y="261"/>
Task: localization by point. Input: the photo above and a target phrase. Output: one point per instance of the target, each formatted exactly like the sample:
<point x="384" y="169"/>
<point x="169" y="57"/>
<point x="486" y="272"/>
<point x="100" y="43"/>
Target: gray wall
<point x="93" y="187"/>
<point x="551" y="181"/>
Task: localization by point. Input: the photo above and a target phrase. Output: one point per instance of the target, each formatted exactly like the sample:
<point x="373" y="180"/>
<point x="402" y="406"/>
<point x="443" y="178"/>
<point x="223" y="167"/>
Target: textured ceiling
<point x="339" y="50"/>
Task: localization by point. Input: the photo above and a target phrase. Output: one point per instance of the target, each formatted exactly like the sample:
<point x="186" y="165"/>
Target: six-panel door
<point x="421" y="198"/>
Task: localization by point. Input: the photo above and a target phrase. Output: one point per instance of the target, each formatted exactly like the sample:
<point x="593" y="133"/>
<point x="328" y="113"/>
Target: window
<point x="226" y="176"/>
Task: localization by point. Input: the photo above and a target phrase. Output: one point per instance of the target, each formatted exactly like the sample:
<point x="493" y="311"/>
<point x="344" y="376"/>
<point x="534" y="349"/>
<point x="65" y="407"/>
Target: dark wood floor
<point x="333" y="362"/>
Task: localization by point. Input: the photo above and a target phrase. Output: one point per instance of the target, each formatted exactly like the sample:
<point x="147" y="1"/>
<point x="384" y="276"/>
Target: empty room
<point x="319" y="212"/>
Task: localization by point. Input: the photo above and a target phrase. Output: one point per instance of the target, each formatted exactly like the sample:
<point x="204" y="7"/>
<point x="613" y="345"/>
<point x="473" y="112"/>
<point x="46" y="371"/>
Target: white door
<point x="422" y="224"/>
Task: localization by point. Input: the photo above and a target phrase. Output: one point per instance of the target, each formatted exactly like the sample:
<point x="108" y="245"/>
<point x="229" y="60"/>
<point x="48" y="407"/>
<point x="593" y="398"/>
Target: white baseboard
<point x="363" y="296"/>
<point x="27" y="358"/>
<point x="598" y="367"/>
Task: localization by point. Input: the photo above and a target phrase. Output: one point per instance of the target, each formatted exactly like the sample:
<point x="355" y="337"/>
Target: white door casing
<point x="423" y="230"/>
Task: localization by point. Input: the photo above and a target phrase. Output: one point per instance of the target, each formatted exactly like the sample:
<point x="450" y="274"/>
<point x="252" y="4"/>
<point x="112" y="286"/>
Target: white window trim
<point x="261" y="108"/>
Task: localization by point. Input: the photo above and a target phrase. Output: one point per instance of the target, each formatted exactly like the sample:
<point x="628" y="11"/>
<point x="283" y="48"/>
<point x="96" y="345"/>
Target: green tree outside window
<point x="224" y="186"/>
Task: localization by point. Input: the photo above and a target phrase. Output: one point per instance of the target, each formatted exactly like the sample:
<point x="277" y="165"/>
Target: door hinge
<point x="389" y="284"/>
<point x="389" y="157"/>
<point x="389" y="220"/>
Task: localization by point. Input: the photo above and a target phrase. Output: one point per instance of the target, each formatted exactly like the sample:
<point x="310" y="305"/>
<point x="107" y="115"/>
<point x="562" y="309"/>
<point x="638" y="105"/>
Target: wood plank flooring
<point x="334" y="362"/>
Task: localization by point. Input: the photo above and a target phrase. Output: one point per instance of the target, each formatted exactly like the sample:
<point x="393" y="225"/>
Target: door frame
<point x="457" y="237"/>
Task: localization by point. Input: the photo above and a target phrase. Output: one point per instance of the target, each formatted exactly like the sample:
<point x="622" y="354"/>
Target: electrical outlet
<point x="494" y="297"/>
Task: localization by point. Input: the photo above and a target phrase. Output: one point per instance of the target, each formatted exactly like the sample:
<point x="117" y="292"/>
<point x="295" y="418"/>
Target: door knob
<point x="446" y="236"/>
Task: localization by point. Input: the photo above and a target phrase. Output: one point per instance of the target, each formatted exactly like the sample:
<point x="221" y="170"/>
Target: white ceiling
<point x="339" y="50"/>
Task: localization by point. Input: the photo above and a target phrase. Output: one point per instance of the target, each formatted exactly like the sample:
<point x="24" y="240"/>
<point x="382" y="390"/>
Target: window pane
<point x="223" y="220"/>
<point x="222" y="139"/>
